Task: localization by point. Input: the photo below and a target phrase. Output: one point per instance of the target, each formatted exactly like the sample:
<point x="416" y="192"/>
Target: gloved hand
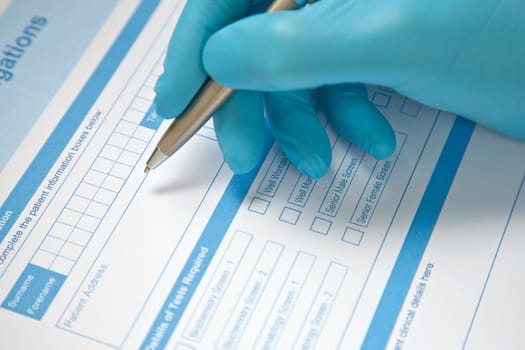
<point x="462" y="56"/>
<point x="240" y="124"/>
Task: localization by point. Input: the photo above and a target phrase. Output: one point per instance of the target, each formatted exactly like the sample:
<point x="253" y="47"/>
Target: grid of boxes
<point x="319" y="225"/>
<point x="89" y="203"/>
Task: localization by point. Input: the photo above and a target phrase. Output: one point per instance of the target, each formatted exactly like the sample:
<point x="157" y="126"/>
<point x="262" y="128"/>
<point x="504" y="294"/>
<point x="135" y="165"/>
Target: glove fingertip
<point x="382" y="150"/>
<point x="240" y="165"/>
<point x="380" y="144"/>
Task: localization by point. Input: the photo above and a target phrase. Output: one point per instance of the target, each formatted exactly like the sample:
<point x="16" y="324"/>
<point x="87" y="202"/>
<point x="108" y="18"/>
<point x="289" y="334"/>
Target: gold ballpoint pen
<point x="203" y="105"/>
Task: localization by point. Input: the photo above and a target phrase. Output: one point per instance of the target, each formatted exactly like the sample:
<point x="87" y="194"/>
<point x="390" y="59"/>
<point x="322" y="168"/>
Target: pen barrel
<point x="282" y="5"/>
<point x="203" y="105"/>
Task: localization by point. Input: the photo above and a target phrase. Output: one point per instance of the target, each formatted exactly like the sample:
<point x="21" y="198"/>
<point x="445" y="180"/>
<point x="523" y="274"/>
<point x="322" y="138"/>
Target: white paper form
<point x="421" y="250"/>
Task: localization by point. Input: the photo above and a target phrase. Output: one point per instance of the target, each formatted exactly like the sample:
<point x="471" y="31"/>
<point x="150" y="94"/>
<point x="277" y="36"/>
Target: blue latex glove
<point x="462" y="56"/>
<point x="240" y="124"/>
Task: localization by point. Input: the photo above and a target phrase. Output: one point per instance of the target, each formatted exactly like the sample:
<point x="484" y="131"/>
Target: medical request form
<point x="421" y="250"/>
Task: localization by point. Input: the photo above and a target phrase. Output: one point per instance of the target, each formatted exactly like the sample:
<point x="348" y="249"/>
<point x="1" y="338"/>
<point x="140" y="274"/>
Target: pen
<point x="203" y="105"/>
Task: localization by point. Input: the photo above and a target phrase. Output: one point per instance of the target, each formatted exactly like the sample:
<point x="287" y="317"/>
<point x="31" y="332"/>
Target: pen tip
<point x="146" y="169"/>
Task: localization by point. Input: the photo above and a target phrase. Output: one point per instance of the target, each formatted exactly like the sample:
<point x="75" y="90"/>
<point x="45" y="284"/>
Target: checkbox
<point x="129" y="158"/>
<point x="60" y="230"/>
<point x="69" y="217"/>
<point x="97" y="210"/>
<point x="321" y="225"/>
<point x="118" y="140"/>
<point x="103" y="165"/>
<point x="88" y="223"/>
<point x="71" y="251"/>
<point x="79" y="237"/>
<point x="121" y="170"/>
<point x="135" y="145"/>
<point x="77" y="203"/>
<point x="290" y="215"/>
<point x="258" y="205"/>
<point x="352" y="236"/>
<point x="52" y="244"/>
<point x="133" y="116"/>
<point x="381" y="100"/>
<point x="143" y="133"/>
<point x="86" y="190"/>
<point x="62" y="265"/>
<point x="410" y="107"/>
<point x="43" y="259"/>
<point x="125" y="128"/>
<point x="94" y="177"/>
<point x="111" y="152"/>
<point x="112" y="183"/>
<point x="105" y="196"/>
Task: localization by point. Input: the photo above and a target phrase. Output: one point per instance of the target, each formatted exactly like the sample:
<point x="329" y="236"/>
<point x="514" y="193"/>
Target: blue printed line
<point x="287" y="281"/>
<point x="48" y="154"/>
<point x="234" y="333"/>
<point x="318" y="300"/>
<point x="404" y="191"/>
<point x="181" y="293"/>
<point x="362" y="197"/>
<point x="224" y="260"/>
<point x="493" y="262"/>
<point x="418" y="236"/>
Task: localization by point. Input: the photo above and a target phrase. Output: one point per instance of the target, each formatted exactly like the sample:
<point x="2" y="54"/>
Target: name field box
<point x="321" y="306"/>
<point x="215" y="289"/>
<point x="250" y="296"/>
<point x="285" y="302"/>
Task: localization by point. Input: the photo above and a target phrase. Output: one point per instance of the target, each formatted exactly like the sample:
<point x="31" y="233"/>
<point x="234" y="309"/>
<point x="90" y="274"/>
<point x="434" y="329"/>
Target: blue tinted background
<point x="71" y="25"/>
